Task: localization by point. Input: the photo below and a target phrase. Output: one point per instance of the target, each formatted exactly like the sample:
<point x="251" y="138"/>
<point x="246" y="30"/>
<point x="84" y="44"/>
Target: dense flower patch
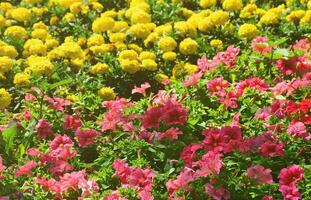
<point x="154" y="99"/>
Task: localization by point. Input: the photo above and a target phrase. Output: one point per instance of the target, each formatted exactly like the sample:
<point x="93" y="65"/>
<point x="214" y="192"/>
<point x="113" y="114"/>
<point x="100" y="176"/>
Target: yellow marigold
<point x="8" y="50"/>
<point x="34" y="47"/>
<point x="161" y="77"/>
<point x="167" y="44"/>
<point x="187" y="13"/>
<point x="38" y="65"/>
<point x="195" y="19"/>
<point x="309" y="5"/>
<point x="130" y="66"/>
<point x="217" y="44"/>
<point x="140" y="17"/>
<point x="99" y="49"/>
<point x="206" y="24"/>
<point x="149" y="64"/>
<point x="67" y="3"/>
<point x="51" y="43"/>
<point x="117" y="37"/>
<point x="269" y="18"/>
<point x="40" y="25"/>
<point x="32" y="1"/>
<point x="5" y="98"/>
<point x="248" y="31"/>
<point x="21" y="79"/>
<point x="39" y="34"/>
<point x="99" y="68"/>
<point x="169" y="56"/>
<point x="190" y="68"/>
<point x="103" y="24"/>
<point x="2" y="21"/>
<point x="16" y="32"/>
<point x="135" y="47"/>
<point x="307" y="18"/>
<point x="147" y="55"/>
<point x="72" y="97"/>
<point x="71" y="50"/>
<point x="152" y="37"/>
<point x="109" y="13"/>
<point x="95" y="39"/>
<point x="20" y="14"/>
<point x="184" y="28"/>
<point x="120" y="26"/>
<point x="250" y="10"/>
<point x="77" y="63"/>
<point x="164" y="29"/>
<point x="128" y="54"/>
<point x="39" y="11"/>
<point x="140" y="31"/>
<point x="120" y="46"/>
<point x="188" y="46"/>
<point x="6" y="64"/>
<point x="232" y="5"/>
<point x="69" y="17"/>
<point x="96" y="6"/>
<point x="295" y="16"/>
<point x="207" y="3"/>
<point x="5" y="6"/>
<point x="76" y="7"/>
<point x="219" y="17"/>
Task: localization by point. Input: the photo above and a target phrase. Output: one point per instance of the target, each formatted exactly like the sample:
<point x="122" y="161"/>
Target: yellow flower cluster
<point x="5" y="98"/>
<point x="106" y="93"/>
<point x="248" y="31"/>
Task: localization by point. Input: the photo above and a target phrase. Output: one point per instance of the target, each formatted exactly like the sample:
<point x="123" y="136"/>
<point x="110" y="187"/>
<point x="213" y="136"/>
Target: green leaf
<point x="280" y="53"/>
<point x="9" y="135"/>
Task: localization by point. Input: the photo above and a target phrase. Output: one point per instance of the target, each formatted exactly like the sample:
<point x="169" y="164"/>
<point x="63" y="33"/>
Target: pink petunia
<point x="270" y="149"/>
<point x="290" y="192"/>
<point x="298" y="129"/>
<point x="44" y="128"/>
<point x="26" y="169"/>
<point x="210" y="163"/>
<point x="218" y="86"/>
<point x="71" y="122"/>
<point x="266" y="197"/>
<point x="2" y="167"/>
<point x="260" y="174"/>
<point x="260" y="45"/>
<point x="141" y="89"/>
<point x="86" y="137"/>
<point x="218" y="193"/>
<point x="189" y="152"/>
<point x="192" y="79"/>
<point x="171" y="134"/>
<point x="291" y="175"/>
<point x="58" y="103"/>
<point x="33" y="152"/>
<point x="30" y="97"/>
<point x="185" y="177"/>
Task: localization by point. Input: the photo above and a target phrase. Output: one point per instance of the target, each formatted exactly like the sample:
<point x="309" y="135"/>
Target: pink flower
<point x="71" y="122"/>
<point x="260" y="174"/>
<point x="270" y="149"/>
<point x="25" y="169"/>
<point x="189" y="153"/>
<point x="2" y="168"/>
<point x="210" y="163"/>
<point x="218" y="193"/>
<point x="29" y="97"/>
<point x="290" y="175"/>
<point x="217" y="86"/>
<point x="290" y="192"/>
<point x="298" y="65"/>
<point x="228" y="57"/>
<point x="27" y="115"/>
<point x="44" y="129"/>
<point x="86" y="137"/>
<point x="185" y="177"/>
<point x="298" y="129"/>
<point x="171" y="134"/>
<point x="152" y="118"/>
<point x="58" y="103"/>
<point x="141" y="89"/>
<point x="260" y="45"/>
<point x="254" y="83"/>
<point x="146" y="135"/>
<point x="33" y="152"/>
<point x="230" y="100"/>
<point x="174" y="114"/>
<point x="214" y="140"/>
<point x="267" y="197"/>
<point x="192" y="79"/>
<point x="301" y="45"/>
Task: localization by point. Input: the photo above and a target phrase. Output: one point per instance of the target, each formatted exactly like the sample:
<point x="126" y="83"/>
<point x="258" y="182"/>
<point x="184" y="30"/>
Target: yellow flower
<point x="269" y="18"/>
<point x="190" y="68"/>
<point x="72" y="97"/>
<point x="309" y="5"/>
<point x="184" y="28"/>
<point x="51" y="43"/>
<point x="140" y="31"/>
<point x="188" y="46"/>
<point x="5" y="6"/>
<point x="152" y="37"/>
<point x="40" y="25"/>
<point x="39" y="11"/>
<point x="232" y="5"/>
<point x="71" y="50"/>
<point x="6" y="64"/>
<point x="32" y="1"/>
<point x="119" y="26"/>
<point x="295" y="16"/>
<point x="77" y="63"/>
<point x="149" y="64"/>
<point x="307" y="18"/>
<point x="99" y="68"/>
<point x="147" y="55"/>
<point x="164" y="29"/>
<point x="207" y="3"/>
<point x="135" y="47"/>
<point x="167" y="44"/>
<point x="8" y="50"/>
<point x="140" y="17"/>
<point x="76" y="7"/>
<point x="98" y="49"/>
<point x="5" y="98"/>
<point x="39" y="34"/>
<point x="206" y="24"/>
<point x="160" y="77"/>
<point x="109" y="13"/>
<point x="219" y="17"/>
<point x="103" y="24"/>
<point x="21" y="79"/>
<point x="129" y="66"/>
<point x="16" y="32"/>
<point x="117" y="37"/>
<point x="169" y="56"/>
<point x="34" y="47"/>
<point x="250" y="10"/>
<point x="248" y="31"/>
<point x="95" y="39"/>
<point x="107" y="93"/>
<point x="20" y="14"/>
<point x="38" y="65"/>
<point x="128" y="54"/>
<point x="216" y="44"/>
